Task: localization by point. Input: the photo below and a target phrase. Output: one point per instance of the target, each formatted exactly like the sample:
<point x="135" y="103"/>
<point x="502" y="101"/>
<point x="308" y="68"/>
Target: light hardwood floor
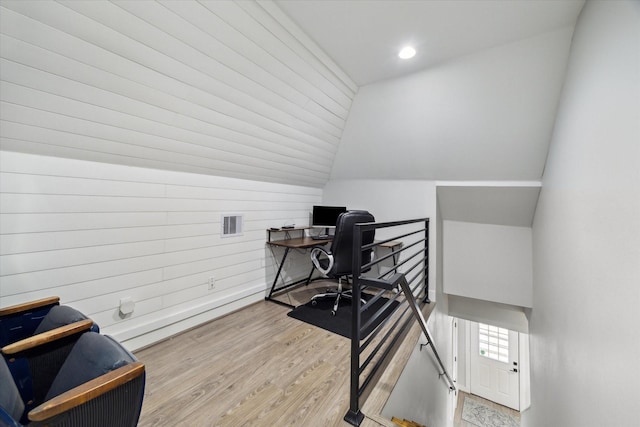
<point x="258" y="367"/>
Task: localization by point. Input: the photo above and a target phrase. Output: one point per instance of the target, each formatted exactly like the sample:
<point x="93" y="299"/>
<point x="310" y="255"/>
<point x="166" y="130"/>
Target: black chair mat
<point x="320" y="315"/>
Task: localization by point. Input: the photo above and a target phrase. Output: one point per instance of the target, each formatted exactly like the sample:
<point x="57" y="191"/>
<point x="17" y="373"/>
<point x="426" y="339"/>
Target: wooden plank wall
<point x="218" y="87"/>
<point x="94" y="233"/>
<point x="128" y="127"/>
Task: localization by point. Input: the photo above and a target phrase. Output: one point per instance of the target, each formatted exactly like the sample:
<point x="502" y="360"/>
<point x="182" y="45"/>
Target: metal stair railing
<point x="370" y="349"/>
<point x="403" y="284"/>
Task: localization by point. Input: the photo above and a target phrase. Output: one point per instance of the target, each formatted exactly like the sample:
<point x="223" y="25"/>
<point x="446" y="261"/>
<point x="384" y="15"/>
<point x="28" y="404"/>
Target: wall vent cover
<point x="231" y="225"/>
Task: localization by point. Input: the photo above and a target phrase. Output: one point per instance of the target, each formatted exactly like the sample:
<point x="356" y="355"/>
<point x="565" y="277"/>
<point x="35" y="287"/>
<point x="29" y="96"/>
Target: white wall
<point x="93" y="233"/>
<point x="463" y="358"/>
<point x="389" y="200"/>
<point x="524" y="368"/>
<point x="226" y="88"/>
<point x="419" y="394"/>
<point x="493" y="313"/>
<point x="488" y="262"/>
<point x="485" y="116"/>
<point x="585" y="339"/>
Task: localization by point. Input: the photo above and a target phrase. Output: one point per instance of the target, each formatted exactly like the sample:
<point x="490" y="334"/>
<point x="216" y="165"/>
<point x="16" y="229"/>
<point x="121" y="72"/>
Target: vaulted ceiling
<point x="364" y="36"/>
<point x="287" y="91"/>
<point x="223" y="88"/>
<point x="477" y="102"/>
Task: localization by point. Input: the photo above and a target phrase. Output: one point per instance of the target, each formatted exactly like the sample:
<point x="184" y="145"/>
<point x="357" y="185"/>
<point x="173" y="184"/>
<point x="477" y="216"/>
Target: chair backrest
<point x="20" y="323"/>
<point x="93" y="356"/>
<point x="34" y="369"/>
<point x="61" y="315"/>
<point x="342" y="244"/>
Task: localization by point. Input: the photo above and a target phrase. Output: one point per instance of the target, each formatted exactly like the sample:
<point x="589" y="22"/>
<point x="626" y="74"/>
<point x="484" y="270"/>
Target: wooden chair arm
<point x="47" y="337"/>
<point x="87" y="391"/>
<point x="30" y="305"/>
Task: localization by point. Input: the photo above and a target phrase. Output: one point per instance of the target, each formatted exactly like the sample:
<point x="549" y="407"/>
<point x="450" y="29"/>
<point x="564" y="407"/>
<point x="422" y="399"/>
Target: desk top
<point x="307" y="242"/>
<point x="299" y="242"/>
<point x="392" y="244"/>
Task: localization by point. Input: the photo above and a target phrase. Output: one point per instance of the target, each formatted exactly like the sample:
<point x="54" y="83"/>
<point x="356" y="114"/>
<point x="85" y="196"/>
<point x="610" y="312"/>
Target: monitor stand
<point x="324" y="236"/>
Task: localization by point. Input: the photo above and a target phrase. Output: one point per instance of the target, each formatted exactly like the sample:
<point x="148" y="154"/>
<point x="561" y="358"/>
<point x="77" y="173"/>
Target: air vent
<point x="231" y="225"/>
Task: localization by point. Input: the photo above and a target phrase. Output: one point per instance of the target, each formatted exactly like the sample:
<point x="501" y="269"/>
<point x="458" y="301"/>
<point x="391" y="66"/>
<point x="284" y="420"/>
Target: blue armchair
<point x="36" y="336"/>
<point x="99" y="384"/>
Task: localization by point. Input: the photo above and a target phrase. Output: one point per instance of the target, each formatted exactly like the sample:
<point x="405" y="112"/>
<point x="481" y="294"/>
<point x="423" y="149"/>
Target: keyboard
<point x="322" y="237"/>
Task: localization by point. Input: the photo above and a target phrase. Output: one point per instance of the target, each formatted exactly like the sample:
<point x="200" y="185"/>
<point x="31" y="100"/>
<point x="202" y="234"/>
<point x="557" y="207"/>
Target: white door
<point x="495" y="364"/>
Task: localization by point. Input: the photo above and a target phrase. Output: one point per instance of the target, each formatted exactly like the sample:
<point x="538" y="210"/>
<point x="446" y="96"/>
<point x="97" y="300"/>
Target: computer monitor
<point x="326" y="216"/>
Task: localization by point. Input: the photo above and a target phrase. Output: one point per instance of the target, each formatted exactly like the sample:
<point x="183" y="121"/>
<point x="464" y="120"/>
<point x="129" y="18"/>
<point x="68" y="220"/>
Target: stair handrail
<point x="413" y="304"/>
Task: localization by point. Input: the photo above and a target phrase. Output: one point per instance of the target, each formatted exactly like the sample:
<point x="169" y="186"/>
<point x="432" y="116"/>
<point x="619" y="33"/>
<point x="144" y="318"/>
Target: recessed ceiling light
<point x="407" y="52"/>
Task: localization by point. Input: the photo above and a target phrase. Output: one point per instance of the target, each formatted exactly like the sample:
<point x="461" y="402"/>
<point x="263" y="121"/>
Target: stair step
<point x="406" y="423"/>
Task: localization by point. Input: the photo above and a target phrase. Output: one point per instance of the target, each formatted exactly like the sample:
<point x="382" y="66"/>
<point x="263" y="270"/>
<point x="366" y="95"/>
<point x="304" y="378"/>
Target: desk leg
<point x="286" y="286"/>
<point x="395" y="260"/>
<point x="313" y="267"/>
<point x="275" y="279"/>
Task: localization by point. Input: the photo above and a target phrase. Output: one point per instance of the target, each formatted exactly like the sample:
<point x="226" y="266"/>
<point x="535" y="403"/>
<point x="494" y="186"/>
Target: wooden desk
<point x="306" y="242"/>
<point x="303" y="242"/>
<point x="299" y="242"/>
<point x="394" y="245"/>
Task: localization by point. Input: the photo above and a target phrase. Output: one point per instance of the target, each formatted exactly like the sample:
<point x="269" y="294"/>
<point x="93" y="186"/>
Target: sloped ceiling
<point x="511" y="204"/>
<point x="264" y="90"/>
<point x="484" y="116"/>
<point x="364" y="36"/>
<point x="212" y="87"/>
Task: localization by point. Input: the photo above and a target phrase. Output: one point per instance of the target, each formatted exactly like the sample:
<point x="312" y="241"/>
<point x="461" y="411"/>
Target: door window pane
<point x="493" y="342"/>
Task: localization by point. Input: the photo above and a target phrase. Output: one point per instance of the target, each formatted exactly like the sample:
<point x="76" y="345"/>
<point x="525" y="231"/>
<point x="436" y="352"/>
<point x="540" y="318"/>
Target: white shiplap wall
<point x="128" y="127"/>
<point x="222" y="88"/>
<point x="93" y="233"/>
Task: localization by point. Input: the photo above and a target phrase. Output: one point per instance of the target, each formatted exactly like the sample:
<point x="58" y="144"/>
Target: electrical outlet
<point x="212" y="283"/>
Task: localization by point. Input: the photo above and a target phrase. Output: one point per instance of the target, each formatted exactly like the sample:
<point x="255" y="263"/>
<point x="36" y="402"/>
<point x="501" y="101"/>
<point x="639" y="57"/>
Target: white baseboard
<point x="146" y="334"/>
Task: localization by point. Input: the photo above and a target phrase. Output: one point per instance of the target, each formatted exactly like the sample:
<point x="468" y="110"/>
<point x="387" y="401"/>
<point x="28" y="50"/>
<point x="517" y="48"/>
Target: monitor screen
<point x="326" y="216"/>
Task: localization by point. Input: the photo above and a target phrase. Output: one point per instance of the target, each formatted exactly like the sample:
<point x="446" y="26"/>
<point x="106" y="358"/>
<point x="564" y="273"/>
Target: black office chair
<point x="337" y="262"/>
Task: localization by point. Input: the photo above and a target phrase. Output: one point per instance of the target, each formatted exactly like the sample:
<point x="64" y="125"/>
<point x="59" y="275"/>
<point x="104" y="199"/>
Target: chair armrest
<point x="87" y="391"/>
<point x="13" y="309"/>
<point x="47" y="337"/>
<point x="315" y="253"/>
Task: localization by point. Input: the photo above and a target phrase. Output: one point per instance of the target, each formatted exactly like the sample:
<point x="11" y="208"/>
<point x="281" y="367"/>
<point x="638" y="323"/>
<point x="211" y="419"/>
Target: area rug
<point x="481" y="415"/>
<point x="320" y="315"/>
